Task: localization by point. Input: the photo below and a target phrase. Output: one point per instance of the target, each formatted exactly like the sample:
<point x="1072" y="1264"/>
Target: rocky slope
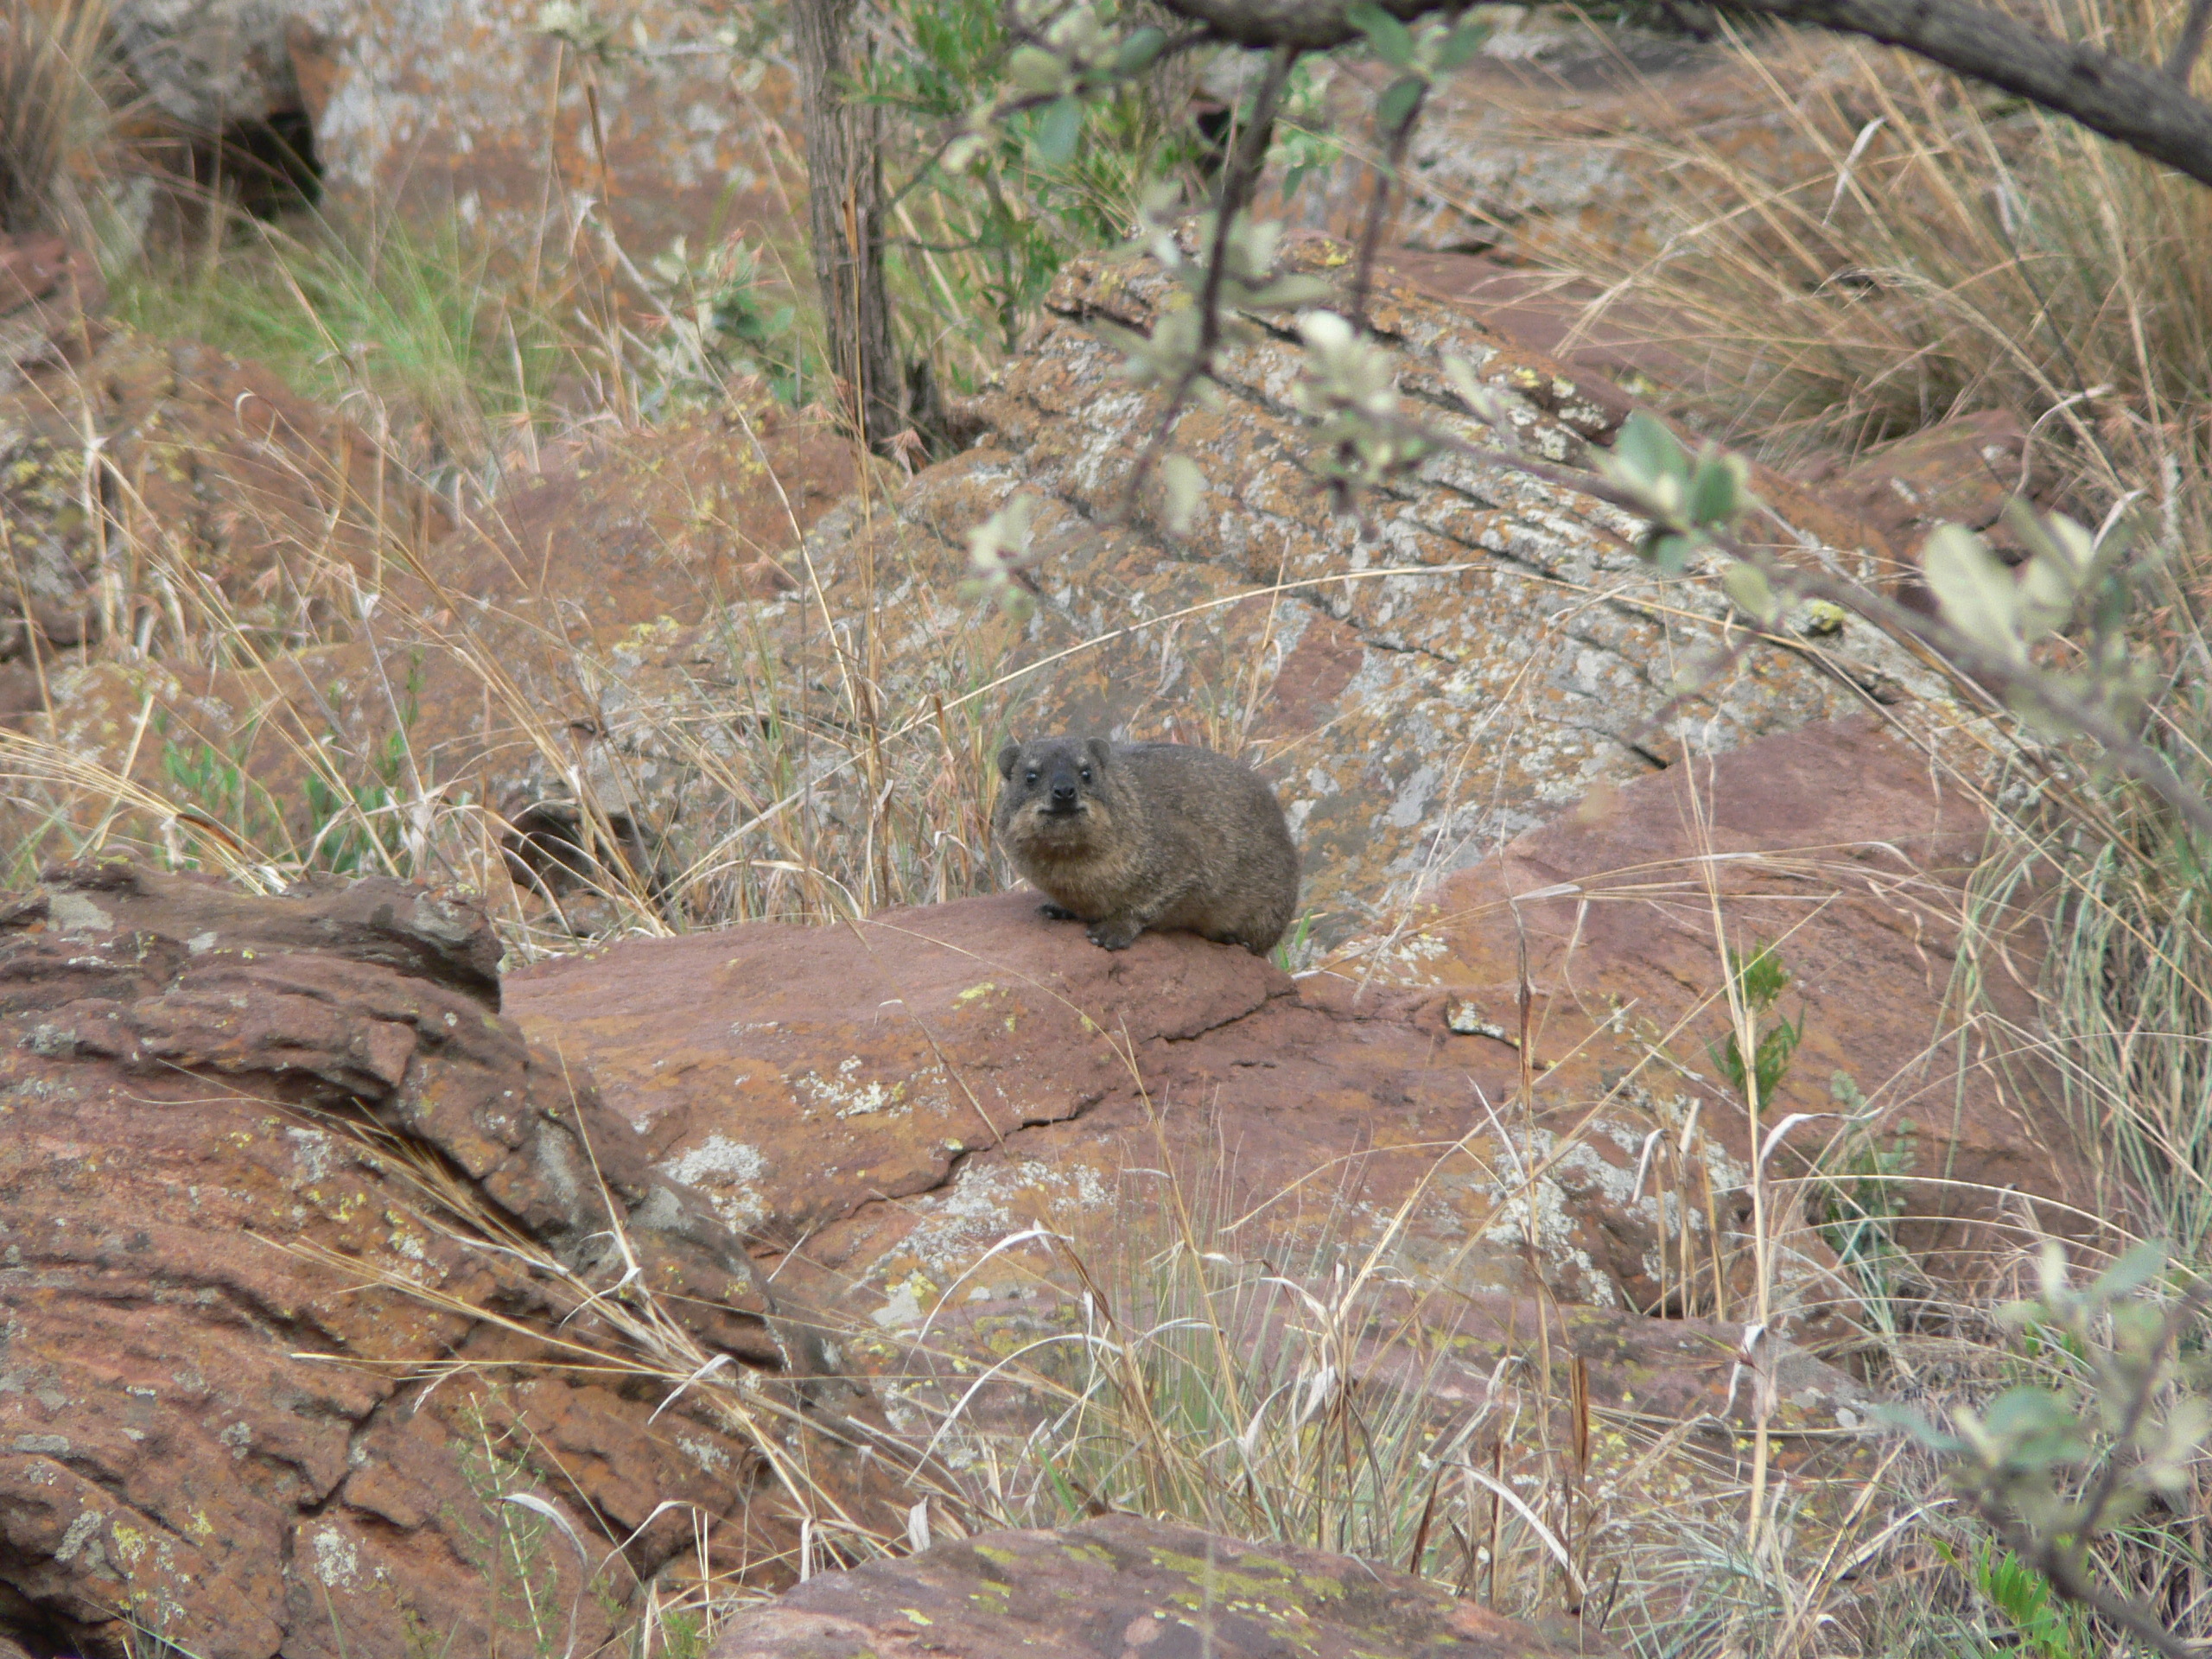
<point x="1120" y="1586"/>
<point x="1451" y="669"/>
<point x="320" y="1243"/>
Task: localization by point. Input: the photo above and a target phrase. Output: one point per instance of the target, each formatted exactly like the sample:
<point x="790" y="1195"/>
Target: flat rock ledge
<point x="1121" y="1587"/>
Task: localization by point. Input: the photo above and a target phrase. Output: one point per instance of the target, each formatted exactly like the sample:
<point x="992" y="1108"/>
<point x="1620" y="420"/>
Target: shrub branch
<point x="2144" y="106"/>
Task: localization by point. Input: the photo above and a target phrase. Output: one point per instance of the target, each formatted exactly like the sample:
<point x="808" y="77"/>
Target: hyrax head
<point x="1053" y="786"/>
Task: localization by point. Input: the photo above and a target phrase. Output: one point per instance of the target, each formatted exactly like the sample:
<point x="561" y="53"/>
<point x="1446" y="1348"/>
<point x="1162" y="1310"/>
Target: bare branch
<point x="2123" y="747"/>
<point x="1304" y="25"/>
<point x="2189" y="42"/>
<point x="1386" y="173"/>
<point x="2131" y="103"/>
<point x="1238" y="180"/>
<point x="2137" y="105"/>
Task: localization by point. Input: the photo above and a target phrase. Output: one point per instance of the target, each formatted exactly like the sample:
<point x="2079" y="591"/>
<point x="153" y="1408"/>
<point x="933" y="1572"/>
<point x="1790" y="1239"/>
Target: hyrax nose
<point x="1064" y="792"/>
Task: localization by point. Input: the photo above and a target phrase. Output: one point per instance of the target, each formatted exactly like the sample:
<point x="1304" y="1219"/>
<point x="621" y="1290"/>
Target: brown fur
<point x="1134" y="836"/>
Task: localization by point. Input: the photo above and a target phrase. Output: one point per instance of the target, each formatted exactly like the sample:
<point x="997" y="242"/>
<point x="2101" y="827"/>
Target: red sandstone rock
<point x="1849" y="849"/>
<point x="898" y="1096"/>
<point x="1961" y="471"/>
<point x="225" y="1125"/>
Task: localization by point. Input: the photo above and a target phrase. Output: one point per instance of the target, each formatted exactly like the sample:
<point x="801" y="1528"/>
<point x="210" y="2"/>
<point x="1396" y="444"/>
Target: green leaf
<point x="1460" y="46"/>
<point x="2048" y="589"/>
<point x="1646" y="451"/>
<point x="1670" y="553"/>
<point x="1973" y="589"/>
<point x="1185" y="483"/>
<point x="2132" y="1272"/>
<point x="1140" y="52"/>
<point x="1478" y="397"/>
<point x="2057" y="537"/>
<point x="1717" y="493"/>
<point x="1746" y="584"/>
<point x="1293" y="289"/>
<point x="2037" y="1423"/>
<point x="1914" y="1424"/>
<point x="1391" y="39"/>
<point x="1035" y="71"/>
<point x="1058" y="130"/>
<point x="1399" y="101"/>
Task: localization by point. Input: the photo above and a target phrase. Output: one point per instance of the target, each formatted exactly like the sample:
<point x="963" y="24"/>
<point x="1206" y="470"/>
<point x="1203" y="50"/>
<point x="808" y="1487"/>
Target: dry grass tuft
<point x="53" y="111"/>
<point x="1945" y="250"/>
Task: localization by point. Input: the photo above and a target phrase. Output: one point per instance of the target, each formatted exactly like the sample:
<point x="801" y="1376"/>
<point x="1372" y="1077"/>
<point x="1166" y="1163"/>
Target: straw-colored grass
<point x="1930" y="247"/>
<point x="54" y="112"/>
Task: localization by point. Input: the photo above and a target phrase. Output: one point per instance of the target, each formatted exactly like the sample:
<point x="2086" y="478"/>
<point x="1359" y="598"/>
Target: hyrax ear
<point x="1100" y="752"/>
<point x="1007" y="756"/>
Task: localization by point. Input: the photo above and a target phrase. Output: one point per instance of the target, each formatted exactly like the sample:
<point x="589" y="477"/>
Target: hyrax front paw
<point x="1115" y="933"/>
<point x="1053" y="912"/>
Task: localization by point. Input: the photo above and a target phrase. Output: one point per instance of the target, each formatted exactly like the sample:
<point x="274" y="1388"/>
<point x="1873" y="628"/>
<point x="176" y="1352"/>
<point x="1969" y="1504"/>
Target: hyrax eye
<point x="1032" y="778"/>
<point x="1086" y="774"/>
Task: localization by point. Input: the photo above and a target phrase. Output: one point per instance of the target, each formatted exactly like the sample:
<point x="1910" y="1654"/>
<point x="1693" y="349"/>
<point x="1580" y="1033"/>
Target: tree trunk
<point x="844" y="206"/>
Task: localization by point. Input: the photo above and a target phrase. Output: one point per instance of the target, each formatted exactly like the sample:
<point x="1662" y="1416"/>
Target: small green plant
<point x="719" y="319"/>
<point x="2048" y="1628"/>
<point x="355" y="827"/>
<point x="2053" y="1471"/>
<point x="1055" y="163"/>
<point x="1760" y="980"/>
<point x="353" y="824"/>
<point x="511" y="1538"/>
<point x="1858" y="1196"/>
<point x="209" y="779"/>
<point x="1296" y="946"/>
<point x="1305" y="148"/>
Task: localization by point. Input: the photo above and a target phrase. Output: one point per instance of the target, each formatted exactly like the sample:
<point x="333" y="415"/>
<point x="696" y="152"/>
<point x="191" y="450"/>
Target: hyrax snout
<point x="1128" y="836"/>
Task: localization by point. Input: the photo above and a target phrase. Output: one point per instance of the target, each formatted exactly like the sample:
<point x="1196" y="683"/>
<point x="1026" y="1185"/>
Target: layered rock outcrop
<point x="887" y="1100"/>
<point x="298" y="1241"/>
<point x="538" y="125"/>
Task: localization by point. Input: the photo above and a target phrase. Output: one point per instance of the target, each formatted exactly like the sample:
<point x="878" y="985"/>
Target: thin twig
<point x="1386" y="182"/>
<point x="2022" y="683"/>
<point x="2189" y="41"/>
<point x="1237" y="181"/>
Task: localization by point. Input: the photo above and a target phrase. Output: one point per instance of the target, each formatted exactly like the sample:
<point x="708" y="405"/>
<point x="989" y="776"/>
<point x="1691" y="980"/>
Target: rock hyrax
<point x="1132" y="836"/>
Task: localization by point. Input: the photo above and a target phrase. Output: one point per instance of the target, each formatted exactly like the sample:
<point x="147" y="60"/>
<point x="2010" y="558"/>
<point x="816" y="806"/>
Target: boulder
<point x="299" y="1242"/>
<point x="1959" y="471"/>
<point x="49" y="291"/>
<point x="1851" y="849"/>
<point x="649" y="121"/>
<point x="889" y="1099"/>
<point x="646" y="119"/>
<point x="1123" y="1586"/>
<point x="208" y="64"/>
<point x="1566" y="134"/>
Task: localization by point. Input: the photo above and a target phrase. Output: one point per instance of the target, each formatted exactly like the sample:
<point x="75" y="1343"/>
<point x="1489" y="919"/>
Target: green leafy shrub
<point x="1760" y="981"/>
<point x="2054" y="1468"/>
